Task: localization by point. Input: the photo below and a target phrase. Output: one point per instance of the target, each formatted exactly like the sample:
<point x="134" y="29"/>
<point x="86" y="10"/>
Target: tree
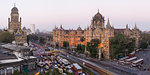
<point x="82" y="39"/>
<point x="65" y="44"/>
<point x="144" y="40"/>
<point x="6" y="37"/>
<point x="47" y="73"/>
<point x="32" y="37"/>
<point x="42" y="40"/>
<point x="80" y="48"/>
<point x="16" y="72"/>
<point x="24" y="73"/>
<point x="143" y="45"/>
<point x="70" y="73"/>
<point x="92" y="47"/>
<point x="56" y="72"/>
<point x="31" y="53"/>
<point x="120" y="44"/>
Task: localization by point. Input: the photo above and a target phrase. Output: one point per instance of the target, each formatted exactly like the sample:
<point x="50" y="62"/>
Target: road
<point x="145" y="54"/>
<point x="100" y="69"/>
<point x="110" y="66"/>
<point x="39" y="69"/>
<point x="107" y="65"/>
<point x="79" y="62"/>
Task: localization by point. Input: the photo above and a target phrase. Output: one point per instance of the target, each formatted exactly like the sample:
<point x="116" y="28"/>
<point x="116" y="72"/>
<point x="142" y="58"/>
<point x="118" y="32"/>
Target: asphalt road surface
<point x="144" y="54"/>
<point x="112" y="67"/>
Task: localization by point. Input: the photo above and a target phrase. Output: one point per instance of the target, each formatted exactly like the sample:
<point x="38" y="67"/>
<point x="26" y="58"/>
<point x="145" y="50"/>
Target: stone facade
<point x="14" y="27"/>
<point x="97" y="30"/>
<point x="132" y="33"/>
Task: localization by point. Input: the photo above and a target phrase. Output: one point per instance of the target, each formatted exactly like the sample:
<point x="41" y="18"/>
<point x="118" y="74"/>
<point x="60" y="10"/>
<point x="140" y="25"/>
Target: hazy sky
<point x="45" y="14"/>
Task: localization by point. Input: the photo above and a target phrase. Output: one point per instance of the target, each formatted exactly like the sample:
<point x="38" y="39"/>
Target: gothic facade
<point x="14" y="27"/>
<point x="132" y="33"/>
<point x="97" y="30"/>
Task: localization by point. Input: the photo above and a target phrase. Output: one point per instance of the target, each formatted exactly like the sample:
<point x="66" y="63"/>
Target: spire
<point x="108" y="24"/>
<point x="55" y="26"/>
<point x="14" y="4"/>
<point x="135" y="27"/>
<point x="61" y="26"/>
<point x="127" y="26"/>
<point x="98" y="10"/>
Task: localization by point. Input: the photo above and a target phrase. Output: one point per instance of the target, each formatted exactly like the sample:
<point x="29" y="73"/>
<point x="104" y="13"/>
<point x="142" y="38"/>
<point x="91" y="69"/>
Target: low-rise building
<point x="14" y="57"/>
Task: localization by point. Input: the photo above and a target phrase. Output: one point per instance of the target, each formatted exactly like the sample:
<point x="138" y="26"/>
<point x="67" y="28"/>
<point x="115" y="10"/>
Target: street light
<point x="100" y="50"/>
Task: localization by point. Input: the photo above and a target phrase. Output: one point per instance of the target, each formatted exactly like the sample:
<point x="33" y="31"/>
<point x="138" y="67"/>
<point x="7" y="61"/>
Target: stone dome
<point x="14" y="10"/>
<point x="98" y="16"/>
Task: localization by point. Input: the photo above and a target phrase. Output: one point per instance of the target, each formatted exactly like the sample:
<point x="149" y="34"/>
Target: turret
<point x="79" y="28"/>
<point x="108" y="26"/>
<point x="127" y="26"/>
<point x="61" y="28"/>
<point x="135" y="27"/>
<point x="14" y="14"/>
<point x="8" y="23"/>
<point x="20" y="19"/>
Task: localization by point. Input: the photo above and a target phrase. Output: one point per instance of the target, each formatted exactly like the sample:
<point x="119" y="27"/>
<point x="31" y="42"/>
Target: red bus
<point x="137" y="62"/>
<point x="132" y="54"/>
<point x="77" y="68"/>
<point x="130" y="60"/>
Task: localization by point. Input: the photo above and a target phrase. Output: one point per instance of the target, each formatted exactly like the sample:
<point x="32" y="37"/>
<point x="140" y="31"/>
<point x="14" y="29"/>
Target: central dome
<point x="98" y="16"/>
<point x="14" y="10"/>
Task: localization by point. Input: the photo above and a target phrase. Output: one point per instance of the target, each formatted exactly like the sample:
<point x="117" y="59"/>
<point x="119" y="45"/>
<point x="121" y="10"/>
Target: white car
<point x="70" y="71"/>
<point x="82" y="74"/>
<point x="56" y="66"/>
<point x="46" y="67"/>
<point x="64" y="74"/>
<point x="69" y="66"/>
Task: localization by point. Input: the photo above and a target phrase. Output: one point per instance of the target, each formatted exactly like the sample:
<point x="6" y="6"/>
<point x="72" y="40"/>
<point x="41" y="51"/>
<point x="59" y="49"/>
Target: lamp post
<point x="100" y="50"/>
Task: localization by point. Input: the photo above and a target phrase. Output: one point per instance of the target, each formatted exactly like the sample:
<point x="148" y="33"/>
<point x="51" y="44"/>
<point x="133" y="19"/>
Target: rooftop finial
<point x="135" y="26"/>
<point x="98" y="10"/>
<point x="126" y="25"/>
<point x="14" y="4"/>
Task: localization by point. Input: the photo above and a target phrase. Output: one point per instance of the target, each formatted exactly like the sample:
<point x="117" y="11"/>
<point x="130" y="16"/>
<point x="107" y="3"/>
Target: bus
<point x="122" y="60"/>
<point x="132" y="54"/>
<point x="131" y="59"/>
<point x="77" y="68"/>
<point x="46" y="53"/>
<point x="65" y="62"/>
<point x="137" y="62"/>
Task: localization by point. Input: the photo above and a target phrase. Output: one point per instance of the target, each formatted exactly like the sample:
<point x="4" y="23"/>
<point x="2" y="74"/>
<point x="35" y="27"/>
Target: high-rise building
<point x="32" y="28"/>
<point x="14" y="27"/>
<point x="37" y="31"/>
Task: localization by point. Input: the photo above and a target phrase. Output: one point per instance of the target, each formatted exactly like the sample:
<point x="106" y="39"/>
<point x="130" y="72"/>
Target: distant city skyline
<point x="48" y="13"/>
